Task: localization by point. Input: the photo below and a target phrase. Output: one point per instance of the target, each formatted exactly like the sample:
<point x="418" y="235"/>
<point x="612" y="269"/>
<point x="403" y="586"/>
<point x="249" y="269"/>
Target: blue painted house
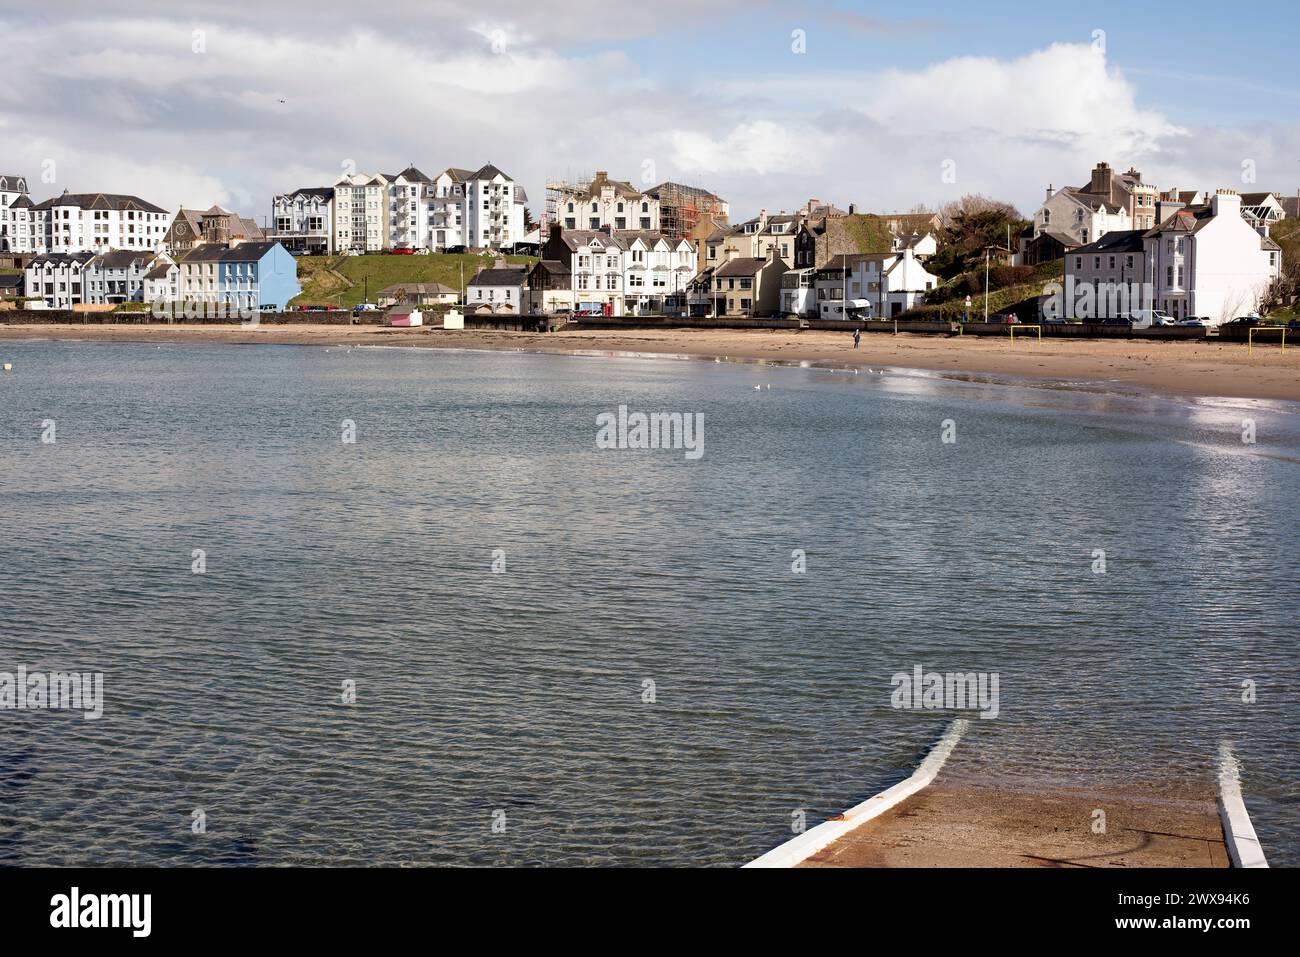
<point x="246" y="275"/>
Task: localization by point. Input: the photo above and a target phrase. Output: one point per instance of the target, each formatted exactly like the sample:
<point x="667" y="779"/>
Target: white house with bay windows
<point x="303" y="220"/>
<point x="656" y="273"/>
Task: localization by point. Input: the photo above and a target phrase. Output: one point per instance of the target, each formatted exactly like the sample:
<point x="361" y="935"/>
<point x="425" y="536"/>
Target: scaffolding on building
<point x="682" y="207"/>
<point x="557" y="192"/>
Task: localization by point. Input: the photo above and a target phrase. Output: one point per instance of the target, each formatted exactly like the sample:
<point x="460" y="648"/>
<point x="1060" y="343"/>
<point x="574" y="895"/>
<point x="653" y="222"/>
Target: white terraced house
<point x="57" y="278"/>
<point x="15" y="220"/>
<point x="117" y="276"/>
<point x="361" y="213"/>
<point x="94" y="222"/>
<point x="303" y="221"/>
<point x="657" y="272"/>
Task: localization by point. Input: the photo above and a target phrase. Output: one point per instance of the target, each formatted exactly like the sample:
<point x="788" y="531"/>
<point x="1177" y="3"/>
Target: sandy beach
<point x="1208" y="368"/>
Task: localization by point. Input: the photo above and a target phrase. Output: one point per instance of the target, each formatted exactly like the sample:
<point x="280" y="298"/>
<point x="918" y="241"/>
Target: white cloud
<point x="124" y="105"/>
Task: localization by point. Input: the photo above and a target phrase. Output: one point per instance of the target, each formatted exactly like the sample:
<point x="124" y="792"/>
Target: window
<point x="1078" y="262"/>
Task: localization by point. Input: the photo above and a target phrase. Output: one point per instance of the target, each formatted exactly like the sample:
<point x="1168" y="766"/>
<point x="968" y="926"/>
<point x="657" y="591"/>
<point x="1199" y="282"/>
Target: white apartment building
<point x="446" y="209"/>
<point x="1210" y="262"/>
<point x="57" y="278"/>
<point x="606" y="203"/>
<point x="361" y="213"/>
<point x="410" y="212"/>
<point x="15" y="220"/>
<point x="493" y="214"/>
<point x="90" y="222"/>
<point x="303" y="221"/>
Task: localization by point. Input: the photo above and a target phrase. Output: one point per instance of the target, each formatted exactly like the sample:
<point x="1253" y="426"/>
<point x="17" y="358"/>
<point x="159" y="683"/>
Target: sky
<point x="768" y="104"/>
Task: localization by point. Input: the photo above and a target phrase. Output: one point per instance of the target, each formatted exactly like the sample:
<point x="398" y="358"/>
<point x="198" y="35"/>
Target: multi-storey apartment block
<point x="361" y="213"/>
<point x="303" y="221"/>
<point x="89" y="222"/>
<point x="15" y="220"/>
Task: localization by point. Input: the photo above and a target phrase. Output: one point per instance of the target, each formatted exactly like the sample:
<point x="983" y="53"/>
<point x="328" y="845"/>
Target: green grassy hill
<point x="347" y="280"/>
<point x="1000" y="300"/>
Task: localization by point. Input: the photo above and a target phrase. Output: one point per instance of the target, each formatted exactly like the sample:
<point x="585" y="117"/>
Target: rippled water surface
<point x="522" y="692"/>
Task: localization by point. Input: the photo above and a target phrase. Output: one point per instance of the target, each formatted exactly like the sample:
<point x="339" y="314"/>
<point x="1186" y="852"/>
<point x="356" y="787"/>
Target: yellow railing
<point x="1250" y="335"/>
<point x="1013" y="326"/>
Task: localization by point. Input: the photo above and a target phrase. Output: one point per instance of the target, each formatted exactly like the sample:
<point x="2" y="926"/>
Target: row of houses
<point x="372" y="212"/>
<point x="238" y="276"/>
<point x="1188" y="253"/>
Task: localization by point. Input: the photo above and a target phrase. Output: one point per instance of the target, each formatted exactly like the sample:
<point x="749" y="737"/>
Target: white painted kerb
<point x="799" y="849"/>
<point x="1238" y="832"/>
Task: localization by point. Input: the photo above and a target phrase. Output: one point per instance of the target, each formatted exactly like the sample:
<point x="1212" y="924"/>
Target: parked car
<point x="364" y="307"/>
<point x="457" y="250"/>
<point x="401" y="251"/>
<point x="1245" y="322"/>
<point x="1201" y="321"/>
<point x="1052" y="321"/>
<point x="1159" y="318"/>
<point x="1126" y="323"/>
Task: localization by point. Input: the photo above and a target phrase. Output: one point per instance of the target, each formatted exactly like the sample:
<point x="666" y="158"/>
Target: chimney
<point x="853" y="208"/>
<point x="1049" y="191"/>
<point x="762" y="218"/>
<point x="1101" y="177"/>
<point x="1225" y="202"/>
<point x="1132" y="171"/>
<point x="557" y="230"/>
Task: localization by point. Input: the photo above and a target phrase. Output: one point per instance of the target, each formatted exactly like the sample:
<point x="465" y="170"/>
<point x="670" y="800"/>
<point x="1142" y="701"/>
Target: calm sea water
<point x="522" y="692"/>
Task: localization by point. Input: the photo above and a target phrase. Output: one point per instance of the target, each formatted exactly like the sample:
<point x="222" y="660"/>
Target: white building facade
<point x="92" y="222"/>
<point x="1210" y="262"/>
<point x="303" y="221"/>
<point x="15" y="215"/>
<point x="361" y="213"/>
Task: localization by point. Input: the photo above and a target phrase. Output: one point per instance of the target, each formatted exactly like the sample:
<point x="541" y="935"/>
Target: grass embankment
<point x="347" y="280"/>
<point x="1001" y="300"/>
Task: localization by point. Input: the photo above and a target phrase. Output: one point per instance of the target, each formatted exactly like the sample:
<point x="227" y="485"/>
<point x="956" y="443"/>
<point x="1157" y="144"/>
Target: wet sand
<point x="1208" y="368"/>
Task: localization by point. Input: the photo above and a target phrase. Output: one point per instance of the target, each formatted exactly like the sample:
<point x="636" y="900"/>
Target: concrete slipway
<point x="941" y="817"/>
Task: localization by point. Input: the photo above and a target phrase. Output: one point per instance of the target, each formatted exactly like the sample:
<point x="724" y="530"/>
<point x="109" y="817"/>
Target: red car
<point x="401" y="251"/>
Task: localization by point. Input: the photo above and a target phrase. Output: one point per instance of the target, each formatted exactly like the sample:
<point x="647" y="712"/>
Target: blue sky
<point x="889" y="107"/>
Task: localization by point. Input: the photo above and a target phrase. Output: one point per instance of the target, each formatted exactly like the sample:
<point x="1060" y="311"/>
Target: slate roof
<point x="220" y="252"/>
<point x="501" y="276"/>
<point x="740" y="267"/>
<point x="120" y="259"/>
<point x="117" y="201"/>
<point x="1119" y="241"/>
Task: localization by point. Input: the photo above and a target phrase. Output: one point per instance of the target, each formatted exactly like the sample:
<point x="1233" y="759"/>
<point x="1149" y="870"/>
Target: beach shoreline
<point x="1168" y="368"/>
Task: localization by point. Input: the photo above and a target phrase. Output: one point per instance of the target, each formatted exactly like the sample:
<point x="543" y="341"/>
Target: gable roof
<point x="120" y="259"/>
<point x="1119" y="241"/>
<point x="741" y="267"/>
<point x="501" y="276"/>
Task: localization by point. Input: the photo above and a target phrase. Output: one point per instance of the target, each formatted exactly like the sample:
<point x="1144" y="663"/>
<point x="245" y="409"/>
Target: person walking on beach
<point x="857" y="337"/>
